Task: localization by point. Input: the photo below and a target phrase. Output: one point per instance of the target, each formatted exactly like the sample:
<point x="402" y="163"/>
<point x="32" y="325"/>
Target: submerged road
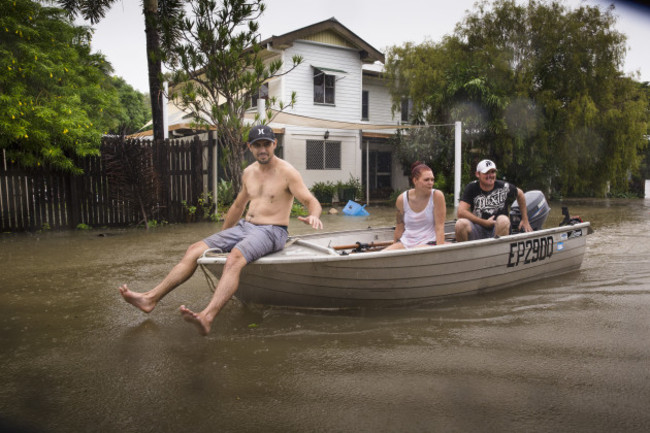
<point x="565" y="354"/>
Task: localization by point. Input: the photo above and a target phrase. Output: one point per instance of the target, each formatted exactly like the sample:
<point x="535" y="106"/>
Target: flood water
<point x="568" y="354"/>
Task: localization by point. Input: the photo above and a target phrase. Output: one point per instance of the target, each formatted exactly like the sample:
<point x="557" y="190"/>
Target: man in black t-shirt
<point x="483" y="208"/>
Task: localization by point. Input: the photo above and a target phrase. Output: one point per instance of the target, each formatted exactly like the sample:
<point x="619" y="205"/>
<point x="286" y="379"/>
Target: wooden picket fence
<point x="39" y="198"/>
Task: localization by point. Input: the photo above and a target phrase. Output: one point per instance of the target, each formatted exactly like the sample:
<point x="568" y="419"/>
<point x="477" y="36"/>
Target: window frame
<point x="261" y="94"/>
<point x="406" y="110"/>
<point x="325" y="90"/>
<point x="365" y="105"/>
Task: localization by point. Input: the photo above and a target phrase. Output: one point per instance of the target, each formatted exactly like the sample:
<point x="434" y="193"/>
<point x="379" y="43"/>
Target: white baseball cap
<point x="485" y="166"/>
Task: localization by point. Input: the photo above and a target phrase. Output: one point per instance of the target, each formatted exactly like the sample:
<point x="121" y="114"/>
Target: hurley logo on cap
<point x="261" y="132"/>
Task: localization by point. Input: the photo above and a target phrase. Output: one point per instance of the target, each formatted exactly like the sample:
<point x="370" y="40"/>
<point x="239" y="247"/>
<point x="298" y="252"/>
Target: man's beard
<point x="266" y="161"/>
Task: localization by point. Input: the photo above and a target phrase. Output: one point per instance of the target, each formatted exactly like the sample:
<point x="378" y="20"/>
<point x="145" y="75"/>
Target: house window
<point x="323" y="87"/>
<point x="364" y="105"/>
<point x="323" y="155"/>
<point x="263" y="93"/>
<point x="407" y="109"/>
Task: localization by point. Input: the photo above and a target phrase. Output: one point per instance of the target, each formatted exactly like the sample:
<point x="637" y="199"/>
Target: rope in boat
<point x="208" y="278"/>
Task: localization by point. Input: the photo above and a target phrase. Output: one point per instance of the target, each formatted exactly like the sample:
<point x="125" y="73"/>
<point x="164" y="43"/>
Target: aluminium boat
<point x="349" y="269"/>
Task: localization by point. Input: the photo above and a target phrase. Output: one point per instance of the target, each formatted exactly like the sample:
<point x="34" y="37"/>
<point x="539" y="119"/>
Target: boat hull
<point x="311" y="274"/>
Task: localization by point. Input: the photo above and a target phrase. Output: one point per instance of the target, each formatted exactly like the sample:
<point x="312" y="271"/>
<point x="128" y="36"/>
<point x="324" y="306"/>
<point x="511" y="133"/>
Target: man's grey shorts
<point x="480" y="232"/>
<point x="251" y="240"/>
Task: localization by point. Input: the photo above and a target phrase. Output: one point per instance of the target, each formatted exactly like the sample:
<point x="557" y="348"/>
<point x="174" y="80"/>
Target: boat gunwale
<point x="323" y="254"/>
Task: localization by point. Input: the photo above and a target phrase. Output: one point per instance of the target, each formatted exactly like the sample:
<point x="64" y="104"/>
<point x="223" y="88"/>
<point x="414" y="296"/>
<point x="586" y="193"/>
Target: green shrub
<point x="323" y="191"/>
<point x="350" y="190"/>
<point x="225" y="192"/>
<point x="298" y="209"/>
<point x="393" y="196"/>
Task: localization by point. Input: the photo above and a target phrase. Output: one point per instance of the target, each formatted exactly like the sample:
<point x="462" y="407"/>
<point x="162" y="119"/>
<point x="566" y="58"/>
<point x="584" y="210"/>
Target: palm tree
<point x="158" y="14"/>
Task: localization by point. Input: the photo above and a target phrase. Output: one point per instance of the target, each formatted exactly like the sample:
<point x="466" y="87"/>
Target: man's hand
<point x="314" y="221"/>
<point x="524" y="226"/>
<point x="488" y="223"/>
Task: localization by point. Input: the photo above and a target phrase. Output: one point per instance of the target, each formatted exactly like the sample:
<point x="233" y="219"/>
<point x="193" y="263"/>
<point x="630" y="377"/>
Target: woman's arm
<point x="399" y="218"/>
<point x="439" y="215"/>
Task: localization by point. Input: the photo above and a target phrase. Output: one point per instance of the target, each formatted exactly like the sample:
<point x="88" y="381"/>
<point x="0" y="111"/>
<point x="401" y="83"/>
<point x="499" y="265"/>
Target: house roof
<point x="179" y="123"/>
<point x="367" y="52"/>
<point x="176" y="130"/>
<point x="373" y="70"/>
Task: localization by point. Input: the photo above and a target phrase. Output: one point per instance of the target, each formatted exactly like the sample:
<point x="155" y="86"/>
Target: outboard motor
<point x="568" y="219"/>
<point x="537" y="208"/>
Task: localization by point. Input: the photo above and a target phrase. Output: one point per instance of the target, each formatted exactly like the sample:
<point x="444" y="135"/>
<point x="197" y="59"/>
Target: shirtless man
<point x="270" y="185"/>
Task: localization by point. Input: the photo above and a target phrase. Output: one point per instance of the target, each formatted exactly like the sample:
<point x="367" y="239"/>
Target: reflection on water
<point x="567" y="354"/>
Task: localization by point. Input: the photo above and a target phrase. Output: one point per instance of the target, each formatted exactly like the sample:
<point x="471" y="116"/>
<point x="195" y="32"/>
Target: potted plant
<point x="349" y="190"/>
<point x="323" y="191"/>
<point x="344" y="191"/>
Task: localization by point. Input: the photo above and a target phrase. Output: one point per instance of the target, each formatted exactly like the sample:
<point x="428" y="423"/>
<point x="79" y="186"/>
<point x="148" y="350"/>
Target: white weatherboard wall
<point x="295" y="153"/>
<point x="347" y="106"/>
<point x="647" y="188"/>
<point x="379" y="102"/>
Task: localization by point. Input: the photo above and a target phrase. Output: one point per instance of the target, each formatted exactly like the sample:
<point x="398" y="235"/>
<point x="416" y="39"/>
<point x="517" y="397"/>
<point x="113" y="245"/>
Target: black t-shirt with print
<point x="486" y="204"/>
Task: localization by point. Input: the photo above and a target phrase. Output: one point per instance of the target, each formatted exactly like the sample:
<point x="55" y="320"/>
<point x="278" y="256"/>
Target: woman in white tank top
<point x="421" y="212"/>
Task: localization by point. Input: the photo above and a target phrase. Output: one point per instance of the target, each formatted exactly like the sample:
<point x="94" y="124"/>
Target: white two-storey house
<point x="340" y="125"/>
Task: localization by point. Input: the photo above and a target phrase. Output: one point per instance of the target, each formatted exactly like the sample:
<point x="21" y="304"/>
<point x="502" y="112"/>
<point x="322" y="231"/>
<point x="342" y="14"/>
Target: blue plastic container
<point x="355" y="209"/>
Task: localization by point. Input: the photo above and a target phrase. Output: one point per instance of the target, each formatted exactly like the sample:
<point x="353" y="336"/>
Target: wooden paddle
<point x="359" y="246"/>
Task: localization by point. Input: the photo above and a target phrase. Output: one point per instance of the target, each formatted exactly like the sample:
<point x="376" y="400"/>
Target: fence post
<point x="74" y="213"/>
<point x="162" y="167"/>
<point x="213" y="168"/>
<point x="197" y="170"/>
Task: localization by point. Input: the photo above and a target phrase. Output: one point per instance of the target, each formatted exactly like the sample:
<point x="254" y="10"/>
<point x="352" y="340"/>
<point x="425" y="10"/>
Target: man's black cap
<point x="260" y="132"/>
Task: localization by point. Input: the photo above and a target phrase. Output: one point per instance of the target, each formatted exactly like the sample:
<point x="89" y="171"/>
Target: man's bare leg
<point x="179" y="274"/>
<point x="462" y="229"/>
<point x="226" y="287"/>
<point x="502" y="226"/>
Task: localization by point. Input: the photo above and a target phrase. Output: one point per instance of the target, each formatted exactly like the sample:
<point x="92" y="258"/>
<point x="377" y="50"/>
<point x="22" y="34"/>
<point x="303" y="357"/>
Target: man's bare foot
<point x="200" y="322"/>
<point x="138" y="300"/>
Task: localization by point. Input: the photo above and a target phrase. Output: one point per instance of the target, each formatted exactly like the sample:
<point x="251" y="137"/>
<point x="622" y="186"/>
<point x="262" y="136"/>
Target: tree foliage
<point x="218" y="65"/>
<point x="539" y="88"/>
<point x="92" y="10"/>
<point x="159" y="22"/>
<point x="644" y="170"/>
<point x="135" y="112"/>
<point x="56" y="100"/>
